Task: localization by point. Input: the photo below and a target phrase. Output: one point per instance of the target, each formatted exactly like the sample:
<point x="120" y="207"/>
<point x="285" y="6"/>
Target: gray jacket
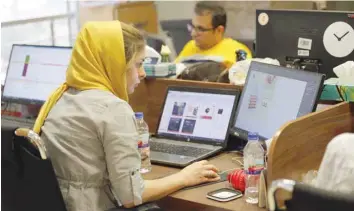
<point x="91" y="138"/>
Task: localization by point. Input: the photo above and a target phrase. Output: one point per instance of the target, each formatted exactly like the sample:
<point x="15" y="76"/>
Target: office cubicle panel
<point x="299" y="146"/>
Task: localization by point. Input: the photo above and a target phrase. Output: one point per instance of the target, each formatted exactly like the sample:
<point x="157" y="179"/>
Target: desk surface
<point x="196" y="198"/>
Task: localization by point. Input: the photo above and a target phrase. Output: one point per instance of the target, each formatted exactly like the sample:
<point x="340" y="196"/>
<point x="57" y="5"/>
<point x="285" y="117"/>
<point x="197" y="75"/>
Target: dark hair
<point x="206" y="71"/>
<point x="217" y="11"/>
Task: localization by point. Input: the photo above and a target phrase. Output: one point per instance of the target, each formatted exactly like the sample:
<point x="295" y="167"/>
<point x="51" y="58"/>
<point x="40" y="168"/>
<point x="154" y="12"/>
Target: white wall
<point x="166" y="10"/>
<point x="174" y="10"/>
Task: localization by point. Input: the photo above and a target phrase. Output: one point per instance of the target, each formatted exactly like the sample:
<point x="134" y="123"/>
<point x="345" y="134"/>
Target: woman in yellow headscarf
<point x="90" y="130"/>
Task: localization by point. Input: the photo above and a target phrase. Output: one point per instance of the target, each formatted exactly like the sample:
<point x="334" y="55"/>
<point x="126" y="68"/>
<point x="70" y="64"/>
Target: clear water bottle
<point x="253" y="155"/>
<point x="143" y="143"/>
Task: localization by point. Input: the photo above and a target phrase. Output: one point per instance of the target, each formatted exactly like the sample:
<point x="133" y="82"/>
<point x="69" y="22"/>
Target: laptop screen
<point x="197" y="115"/>
<point x="274" y="95"/>
<point x="35" y="69"/>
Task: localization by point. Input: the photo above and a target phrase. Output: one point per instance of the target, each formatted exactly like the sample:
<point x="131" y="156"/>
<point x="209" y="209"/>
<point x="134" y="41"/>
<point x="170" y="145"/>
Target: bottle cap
<point x="139" y="115"/>
<point x="252" y="136"/>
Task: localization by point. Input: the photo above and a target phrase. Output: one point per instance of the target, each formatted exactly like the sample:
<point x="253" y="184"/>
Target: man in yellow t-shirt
<point x="207" y="30"/>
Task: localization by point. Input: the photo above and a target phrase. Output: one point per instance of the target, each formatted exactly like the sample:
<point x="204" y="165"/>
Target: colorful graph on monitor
<point x="25" y="66"/>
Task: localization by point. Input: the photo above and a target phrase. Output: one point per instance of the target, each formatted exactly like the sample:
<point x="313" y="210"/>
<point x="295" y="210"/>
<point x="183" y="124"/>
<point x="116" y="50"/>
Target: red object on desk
<point x="237" y="180"/>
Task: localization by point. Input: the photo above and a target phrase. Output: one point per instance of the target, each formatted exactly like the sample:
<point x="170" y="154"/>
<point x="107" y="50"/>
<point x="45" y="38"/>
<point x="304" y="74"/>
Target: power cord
<point x="228" y="170"/>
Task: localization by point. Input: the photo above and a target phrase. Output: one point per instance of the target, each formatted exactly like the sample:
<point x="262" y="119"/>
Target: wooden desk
<point x="195" y="199"/>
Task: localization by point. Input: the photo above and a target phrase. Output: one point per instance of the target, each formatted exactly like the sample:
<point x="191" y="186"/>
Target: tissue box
<point x="330" y="92"/>
<point x="161" y="70"/>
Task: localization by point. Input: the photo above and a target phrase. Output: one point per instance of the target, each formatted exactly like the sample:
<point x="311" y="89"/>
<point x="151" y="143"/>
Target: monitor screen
<point x="34" y="72"/>
<point x="274" y="95"/>
<point x="312" y="40"/>
<point x="197" y="115"/>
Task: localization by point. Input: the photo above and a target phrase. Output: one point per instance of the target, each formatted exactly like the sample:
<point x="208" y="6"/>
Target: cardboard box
<point x="142" y="15"/>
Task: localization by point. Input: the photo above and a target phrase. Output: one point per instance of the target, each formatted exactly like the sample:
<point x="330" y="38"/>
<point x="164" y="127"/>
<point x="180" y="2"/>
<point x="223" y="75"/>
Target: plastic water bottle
<point x="143" y="143"/>
<point x="253" y="155"/>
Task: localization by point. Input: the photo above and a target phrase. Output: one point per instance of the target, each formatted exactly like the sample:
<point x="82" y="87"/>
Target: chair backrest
<point x="307" y="198"/>
<point x="28" y="181"/>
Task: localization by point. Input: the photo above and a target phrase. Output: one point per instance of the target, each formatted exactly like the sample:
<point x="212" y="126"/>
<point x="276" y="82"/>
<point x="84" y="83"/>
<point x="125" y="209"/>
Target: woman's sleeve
<point x="119" y="137"/>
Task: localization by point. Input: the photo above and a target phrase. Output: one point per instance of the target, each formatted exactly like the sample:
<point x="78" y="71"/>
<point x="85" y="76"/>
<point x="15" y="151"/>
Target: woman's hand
<point x="199" y="172"/>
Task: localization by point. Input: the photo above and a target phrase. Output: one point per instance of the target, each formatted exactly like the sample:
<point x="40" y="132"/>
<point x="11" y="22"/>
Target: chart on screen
<point x="36" y="69"/>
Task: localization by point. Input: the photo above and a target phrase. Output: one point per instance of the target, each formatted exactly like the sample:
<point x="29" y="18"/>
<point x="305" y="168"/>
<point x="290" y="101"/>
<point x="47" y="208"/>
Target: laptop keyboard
<point x="178" y="150"/>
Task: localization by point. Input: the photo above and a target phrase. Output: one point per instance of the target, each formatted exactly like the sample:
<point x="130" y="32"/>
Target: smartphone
<point x="224" y="194"/>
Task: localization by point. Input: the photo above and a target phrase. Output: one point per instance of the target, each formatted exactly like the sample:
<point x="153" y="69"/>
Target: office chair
<point x="28" y="181"/>
<point x="308" y="198"/>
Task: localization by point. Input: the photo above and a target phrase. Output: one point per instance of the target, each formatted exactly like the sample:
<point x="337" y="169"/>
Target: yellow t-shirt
<point x="225" y="52"/>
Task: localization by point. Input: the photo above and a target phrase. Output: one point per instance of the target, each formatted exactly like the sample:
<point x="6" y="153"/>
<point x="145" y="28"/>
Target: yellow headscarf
<point x="97" y="62"/>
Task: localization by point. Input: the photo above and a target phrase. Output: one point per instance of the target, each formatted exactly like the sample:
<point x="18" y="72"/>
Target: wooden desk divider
<point x="150" y="94"/>
<point x="299" y="145"/>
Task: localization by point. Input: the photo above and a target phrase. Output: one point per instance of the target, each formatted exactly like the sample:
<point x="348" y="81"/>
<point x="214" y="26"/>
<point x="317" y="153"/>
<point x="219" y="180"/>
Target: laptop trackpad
<point x="169" y="158"/>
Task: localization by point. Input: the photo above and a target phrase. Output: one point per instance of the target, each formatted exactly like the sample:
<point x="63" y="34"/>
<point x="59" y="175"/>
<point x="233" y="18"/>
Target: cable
<point x="340" y="93"/>
<point x="230" y="170"/>
<point x="237" y="160"/>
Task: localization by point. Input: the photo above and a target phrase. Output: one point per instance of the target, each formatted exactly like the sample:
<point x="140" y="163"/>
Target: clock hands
<point x="340" y="38"/>
<point x="336" y="37"/>
<point x="343" y="35"/>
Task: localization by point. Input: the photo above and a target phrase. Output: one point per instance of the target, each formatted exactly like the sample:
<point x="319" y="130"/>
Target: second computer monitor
<point x="272" y="96"/>
<point x="34" y="72"/>
<point x="306" y="39"/>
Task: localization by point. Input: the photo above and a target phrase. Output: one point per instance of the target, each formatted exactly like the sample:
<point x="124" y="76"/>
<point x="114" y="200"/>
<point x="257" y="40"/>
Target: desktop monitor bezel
<point x="25" y="100"/>
<point x="243" y="134"/>
<point x="223" y="144"/>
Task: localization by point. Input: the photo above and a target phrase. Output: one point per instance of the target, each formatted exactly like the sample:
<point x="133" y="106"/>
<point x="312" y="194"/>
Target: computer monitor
<point x="34" y="72"/>
<point x="306" y="39"/>
<point x="272" y="96"/>
<point x="178" y="31"/>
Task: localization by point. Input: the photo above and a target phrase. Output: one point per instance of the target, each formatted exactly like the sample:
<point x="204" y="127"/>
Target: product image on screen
<point x="178" y="108"/>
<point x="174" y="125"/>
<point x="192" y="111"/>
<point x="196" y="115"/>
<point x="188" y="126"/>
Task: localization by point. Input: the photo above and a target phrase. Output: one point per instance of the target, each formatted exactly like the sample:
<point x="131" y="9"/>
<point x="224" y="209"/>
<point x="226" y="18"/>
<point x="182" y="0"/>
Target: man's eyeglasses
<point x="191" y="27"/>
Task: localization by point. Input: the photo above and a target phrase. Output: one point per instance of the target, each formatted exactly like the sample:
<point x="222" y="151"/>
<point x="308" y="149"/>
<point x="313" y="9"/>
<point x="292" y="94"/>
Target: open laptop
<point x="272" y="96"/>
<point x="194" y="124"/>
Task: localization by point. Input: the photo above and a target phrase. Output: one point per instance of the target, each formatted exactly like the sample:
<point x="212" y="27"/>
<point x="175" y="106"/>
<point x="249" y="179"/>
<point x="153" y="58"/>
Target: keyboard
<point x="17" y="122"/>
<point x="178" y="150"/>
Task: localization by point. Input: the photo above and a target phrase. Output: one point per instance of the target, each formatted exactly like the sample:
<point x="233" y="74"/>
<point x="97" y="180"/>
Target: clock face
<point x="263" y="18"/>
<point x="338" y="39"/>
